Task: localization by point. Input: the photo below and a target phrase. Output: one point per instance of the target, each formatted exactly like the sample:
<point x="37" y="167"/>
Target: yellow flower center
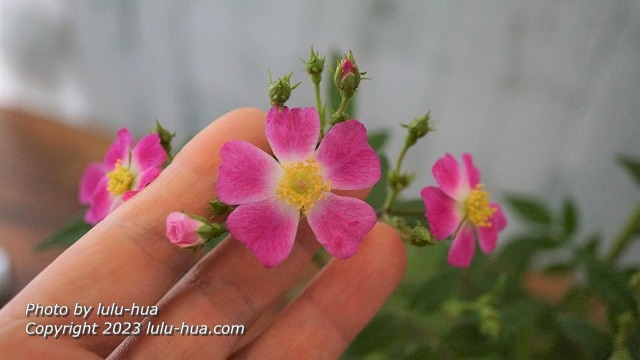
<point x="120" y="180"/>
<point x="302" y="184"/>
<point x="477" y="206"/>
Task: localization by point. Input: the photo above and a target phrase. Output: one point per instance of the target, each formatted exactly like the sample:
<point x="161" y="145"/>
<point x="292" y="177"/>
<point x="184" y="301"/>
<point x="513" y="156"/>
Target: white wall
<point x="544" y="94"/>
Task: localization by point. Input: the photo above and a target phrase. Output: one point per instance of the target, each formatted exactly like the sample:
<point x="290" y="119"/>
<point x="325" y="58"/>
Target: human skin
<point x="127" y="259"/>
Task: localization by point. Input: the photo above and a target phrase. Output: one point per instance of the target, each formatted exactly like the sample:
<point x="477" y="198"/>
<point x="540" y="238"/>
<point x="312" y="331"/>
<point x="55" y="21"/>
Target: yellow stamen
<point x="477" y="206"/>
<point x="120" y="180"/>
<point x="302" y="184"/>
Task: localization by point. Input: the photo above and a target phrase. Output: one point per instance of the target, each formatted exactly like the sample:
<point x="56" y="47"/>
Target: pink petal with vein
<point x="148" y="153"/>
<point x="144" y="178"/>
<point x="347" y="160"/>
<point x="90" y="179"/>
<point x="448" y="175"/>
<point x="340" y="223"/>
<point x="488" y="236"/>
<point x="472" y="172"/>
<point x="246" y="174"/>
<point x="463" y="247"/>
<point x="292" y="133"/>
<point x="119" y="149"/>
<point x="268" y="228"/>
<point x="441" y="212"/>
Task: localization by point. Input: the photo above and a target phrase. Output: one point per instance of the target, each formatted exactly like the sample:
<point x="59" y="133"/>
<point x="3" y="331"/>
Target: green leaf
<point x="569" y="217"/>
<point x="610" y="283"/>
<point x="632" y="166"/>
<point x="521" y="250"/>
<point x="581" y="332"/>
<point x="529" y="209"/>
<point x="67" y="235"/>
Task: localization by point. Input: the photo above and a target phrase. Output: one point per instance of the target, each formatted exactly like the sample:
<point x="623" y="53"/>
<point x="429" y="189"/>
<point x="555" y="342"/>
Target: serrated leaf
<point x="632" y="166"/>
<point x="529" y="209"/>
<point x="67" y="235"/>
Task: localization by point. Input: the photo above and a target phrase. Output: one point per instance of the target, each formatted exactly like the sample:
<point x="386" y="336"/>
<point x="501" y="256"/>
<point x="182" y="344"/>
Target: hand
<point x="126" y="259"/>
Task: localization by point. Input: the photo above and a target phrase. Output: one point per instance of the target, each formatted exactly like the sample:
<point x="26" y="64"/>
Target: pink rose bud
<point x="185" y="231"/>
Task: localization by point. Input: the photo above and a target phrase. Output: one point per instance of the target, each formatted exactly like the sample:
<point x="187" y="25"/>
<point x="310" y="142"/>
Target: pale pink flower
<point x="125" y="170"/>
<point x="461" y="207"/>
<point x="274" y="194"/>
<point x="185" y="231"/>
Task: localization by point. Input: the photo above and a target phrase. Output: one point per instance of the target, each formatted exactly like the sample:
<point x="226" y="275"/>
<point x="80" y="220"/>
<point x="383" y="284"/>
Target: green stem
<point x="339" y="114"/>
<point x="625" y="235"/>
<point x="395" y="191"/>
<point x="319" y="106"/>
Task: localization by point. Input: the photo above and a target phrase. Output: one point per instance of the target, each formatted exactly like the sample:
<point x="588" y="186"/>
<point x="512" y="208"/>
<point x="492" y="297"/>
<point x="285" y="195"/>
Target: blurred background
<point x="544" y="94"/>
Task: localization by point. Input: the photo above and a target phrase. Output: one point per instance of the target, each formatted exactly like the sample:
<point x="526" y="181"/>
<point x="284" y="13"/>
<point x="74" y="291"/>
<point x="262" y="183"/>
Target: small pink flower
<point x="274" y="194"/>
<point x="461" y="206"/>
<point x="183" y="230"/>
<point x="125" y="170"/>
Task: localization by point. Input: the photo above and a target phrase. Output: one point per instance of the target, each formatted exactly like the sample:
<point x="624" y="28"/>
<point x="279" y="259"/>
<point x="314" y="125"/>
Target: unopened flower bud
<point x="417" y="129"/>
<point x="399" y="181"/>
<point x="280" y="90"/>
<point x="189" y="230"/>
<point x="420" y="236"/>
<point x="347" y="76"/>
<point x="314" y="66"/>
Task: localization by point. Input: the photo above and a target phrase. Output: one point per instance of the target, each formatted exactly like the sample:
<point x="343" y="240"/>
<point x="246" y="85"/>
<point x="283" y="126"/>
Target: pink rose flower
<point x="461" y="207"/>
<point x="125" y="171"/>
<point x="273" y="194"/>
<point x="183" y="230"/>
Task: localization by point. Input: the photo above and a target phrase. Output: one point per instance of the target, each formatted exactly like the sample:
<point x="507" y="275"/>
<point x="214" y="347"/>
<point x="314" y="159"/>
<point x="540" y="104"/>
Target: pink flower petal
<point x="448" y="175"/>
<point x="292" y="133"/>
<point x="340" y="223"/>
<point x="182" y="230"/>
<point x="268" y="228"/>
<point x="441" y="211"/>
<point x="148" y="153"/>
<point x="347" y="160"/>
<point x="90" y="179"/>
<point x="119" y="149"/>
<point x="488" y="236"/>
<point x="246" y="174"/>
<point x="472" y="172"/>
<point x="101" y="203"/>
<point x="143" y="179"/>
<point x="463" y="247"/>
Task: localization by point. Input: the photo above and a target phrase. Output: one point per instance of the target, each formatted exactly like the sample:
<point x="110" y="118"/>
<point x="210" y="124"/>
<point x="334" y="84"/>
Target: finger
<point x="227" y="287"/>
<point x="126" y="258"/>
<point x="334" y="308"/>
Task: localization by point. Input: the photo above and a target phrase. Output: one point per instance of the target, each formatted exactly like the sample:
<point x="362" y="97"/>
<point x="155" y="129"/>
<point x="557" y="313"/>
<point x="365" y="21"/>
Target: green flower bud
<point x="347" y="76"/>
<point x="280" y="90"/>
<point x="417" y="129"/>
<point x="314" y="66"/>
